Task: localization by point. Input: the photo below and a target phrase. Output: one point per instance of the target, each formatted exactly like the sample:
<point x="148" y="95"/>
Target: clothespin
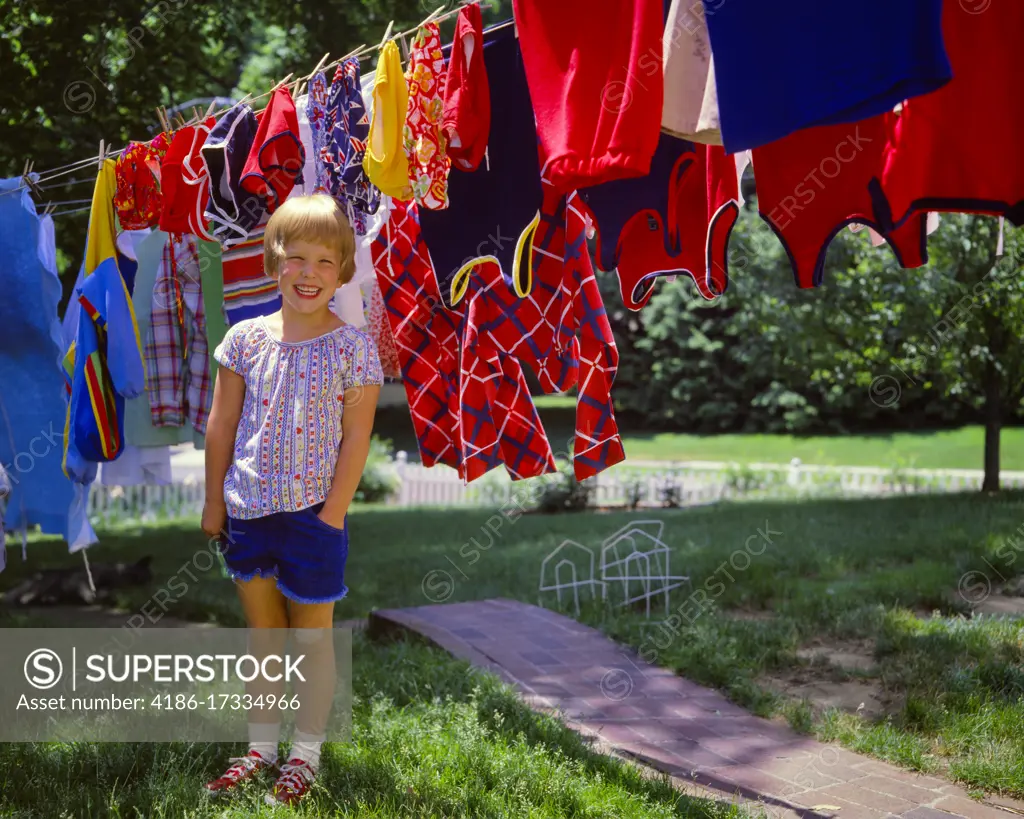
<point x="387" y="35"/>
<point x="432" y="15"/>
<point x="353" y="53"/>
<point x="272" y="90"/>
<point x="210" y="110"/>
<point x="243" y="99"/>
<point x="27" y="179"/>
<point x="318" y="66"/>
<point x="103" y="155"/>
<point x="405" y="48"/>
<point x="162" y="117"/>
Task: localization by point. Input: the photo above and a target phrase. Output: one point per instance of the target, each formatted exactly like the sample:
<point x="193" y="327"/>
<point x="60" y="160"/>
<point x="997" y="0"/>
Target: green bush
<point x="563" y="493"/>
<point x="380" y="481"/>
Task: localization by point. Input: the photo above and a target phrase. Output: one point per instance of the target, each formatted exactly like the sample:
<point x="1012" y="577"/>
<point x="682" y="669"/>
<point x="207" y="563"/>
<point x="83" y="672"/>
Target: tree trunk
<point x="993" y="426"/>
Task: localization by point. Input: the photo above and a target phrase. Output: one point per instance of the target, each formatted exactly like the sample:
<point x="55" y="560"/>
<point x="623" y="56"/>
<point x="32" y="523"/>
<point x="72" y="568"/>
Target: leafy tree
<point x="881" y="337"/>
<point x="76" y="73"/>
<point x="974" y="341"/>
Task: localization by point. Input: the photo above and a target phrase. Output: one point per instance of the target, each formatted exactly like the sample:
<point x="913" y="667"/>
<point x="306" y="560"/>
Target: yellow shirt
<point x="102" y="235"/>
<point x="385" y="162"/>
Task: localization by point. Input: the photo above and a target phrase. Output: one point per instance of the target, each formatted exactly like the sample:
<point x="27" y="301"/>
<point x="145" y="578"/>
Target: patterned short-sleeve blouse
<point x="286" y="447"/>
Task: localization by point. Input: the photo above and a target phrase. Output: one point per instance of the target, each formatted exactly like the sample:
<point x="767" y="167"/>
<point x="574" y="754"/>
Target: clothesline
<point x="359" y="53"/>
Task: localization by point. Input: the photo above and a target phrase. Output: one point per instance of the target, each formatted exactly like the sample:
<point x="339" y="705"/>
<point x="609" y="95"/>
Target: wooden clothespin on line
<point x="387" y="35"/>
<point x="282" y="82"/>
<point x="162" y="117"/>
<point x="209" y="110"/>
<point x="319" y="65"/>
<point x="28" y="181"/>
<point x="432" y="15"/>
<point x="103" y="155"/>
<point x="405" y="48"/>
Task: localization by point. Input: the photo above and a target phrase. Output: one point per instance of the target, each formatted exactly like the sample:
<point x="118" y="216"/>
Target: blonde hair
<point x="316" y="219"/>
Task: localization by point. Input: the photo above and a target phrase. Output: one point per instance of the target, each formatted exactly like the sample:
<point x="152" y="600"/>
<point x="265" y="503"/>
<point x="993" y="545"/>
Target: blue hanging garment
<point x="32" y="407"/>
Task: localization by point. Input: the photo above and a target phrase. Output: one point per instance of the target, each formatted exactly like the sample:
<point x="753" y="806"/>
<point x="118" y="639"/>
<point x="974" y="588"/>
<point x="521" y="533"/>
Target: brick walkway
<point x="705" y="743"/>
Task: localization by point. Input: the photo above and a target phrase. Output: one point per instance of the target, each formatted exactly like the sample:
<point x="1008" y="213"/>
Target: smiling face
<point x="309" y="275"/>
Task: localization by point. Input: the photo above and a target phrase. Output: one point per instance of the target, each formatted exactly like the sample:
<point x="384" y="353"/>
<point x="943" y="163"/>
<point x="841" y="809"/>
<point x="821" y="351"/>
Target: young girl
<point x="286" y="443"/>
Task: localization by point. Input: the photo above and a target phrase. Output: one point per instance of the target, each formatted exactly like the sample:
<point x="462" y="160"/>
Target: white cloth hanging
<point x="135" y="466"/>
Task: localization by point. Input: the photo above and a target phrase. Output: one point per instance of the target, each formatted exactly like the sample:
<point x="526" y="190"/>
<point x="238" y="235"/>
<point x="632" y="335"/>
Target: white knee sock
<point x="307" y="748"/>
<point x="263" y="738"/>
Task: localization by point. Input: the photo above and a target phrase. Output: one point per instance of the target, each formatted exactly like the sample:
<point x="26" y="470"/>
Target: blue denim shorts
<point x="306" y="555"/>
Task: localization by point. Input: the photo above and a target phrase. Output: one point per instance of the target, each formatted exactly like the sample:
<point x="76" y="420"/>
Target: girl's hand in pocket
<point x="215" y="518"/>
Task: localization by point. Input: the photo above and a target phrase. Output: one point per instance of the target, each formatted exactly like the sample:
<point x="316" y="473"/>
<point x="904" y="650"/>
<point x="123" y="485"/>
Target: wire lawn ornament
<point x="634" y="560"/>
<point x="588" y="582"/>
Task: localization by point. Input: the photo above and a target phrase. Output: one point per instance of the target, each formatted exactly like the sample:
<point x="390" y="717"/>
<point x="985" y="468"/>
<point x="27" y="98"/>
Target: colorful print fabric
<point x="424" y="144"/>
<point x="340" y="126"/>
<point x="138" y="199"/>
<point x="287" y="443"/>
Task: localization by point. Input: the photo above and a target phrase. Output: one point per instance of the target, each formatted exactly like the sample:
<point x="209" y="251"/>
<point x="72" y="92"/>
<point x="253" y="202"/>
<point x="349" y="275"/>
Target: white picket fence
<point x="652" y="483"/>
<point x="633" y="483"/>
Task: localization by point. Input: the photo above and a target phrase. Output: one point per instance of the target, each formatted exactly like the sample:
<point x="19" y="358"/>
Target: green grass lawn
<point x="949" y="449"/>
<point x="431" y="738"/>
<point x="840" y="570"/>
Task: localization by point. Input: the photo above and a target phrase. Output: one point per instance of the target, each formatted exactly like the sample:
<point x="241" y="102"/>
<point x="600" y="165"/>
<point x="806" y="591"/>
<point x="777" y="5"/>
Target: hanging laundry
<point x="276" y="157"/>
<point x="234" y="213"/>
<point x="466" y="116"/>
<point x="784" y="67"/>
<point x="316" y="115"/>
<point x="138" y="199"/>
<point x="429" y="165"/>
<point x="104" y="364"/>
<point x="138" y="466"/>
<point x="306" y="183"/>
<point x="126" y="254"/>
<point x="138" y="425"/>
<point x="492" y="209"/>
<point x="343" y="143"/>
<point x="498" y="419"/>
<point x="379" y="329"/>
<point x="813" y="183"/>
<point x="675" y="220"/>
<point x="32" y="413"/>
<point x="177" y="353"/>
<point x="211" y="277"/>
<point x="248" y="291"/>
<point x="596" y="80"/>
<point x="385" y="161"/>
<point x="359" y="301"/>
<point x="186" y="182"/>
<point x="108" y="368"/>
<point x="426" y="334"/>
<point x="561" y="331"/>
<point x="690" y="109"/>
<point x="101" y="236"/>
<point x="959" y="149"/>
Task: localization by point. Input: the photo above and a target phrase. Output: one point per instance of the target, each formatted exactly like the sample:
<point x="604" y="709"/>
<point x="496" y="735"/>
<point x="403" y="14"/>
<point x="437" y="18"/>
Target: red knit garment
<point x="467" y="96"/>
<point x="276" y="158"/>
<point x="959" y="148"/>
<point x="813" y="183"/>
<point x="178" y="199"/>
<point x="693" y="237"/>
<point x="595" y="73"/>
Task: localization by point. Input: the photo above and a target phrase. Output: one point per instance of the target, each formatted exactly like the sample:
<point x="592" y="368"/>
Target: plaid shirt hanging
<point x="177" y="356"/>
